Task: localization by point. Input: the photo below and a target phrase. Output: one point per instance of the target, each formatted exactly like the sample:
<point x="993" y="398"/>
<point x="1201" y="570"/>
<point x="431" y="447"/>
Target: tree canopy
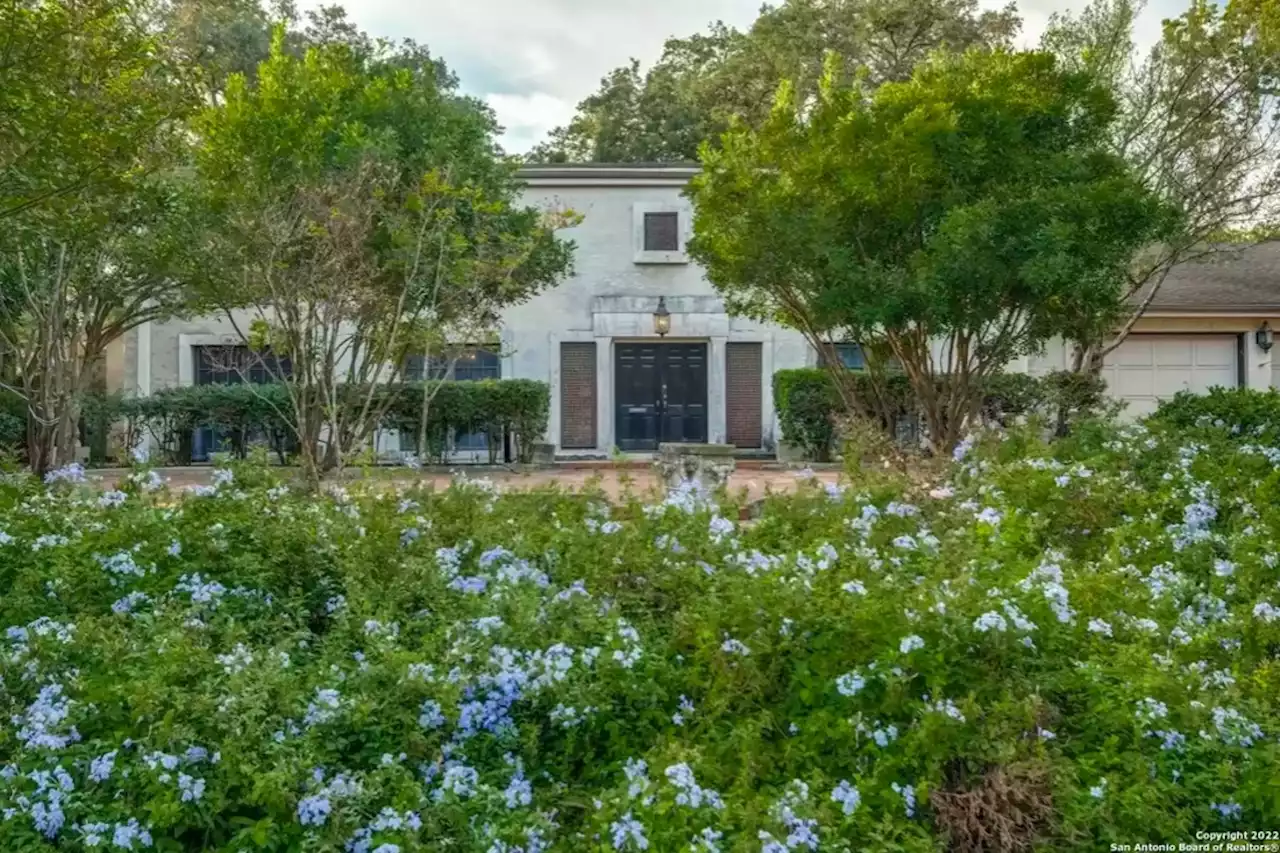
<point x="951" y="222"/>
<point x="89" y="98"/>
<point x="359" y="210"/>
<point x="1196" y="121"/>
<point x="702" y="82"/>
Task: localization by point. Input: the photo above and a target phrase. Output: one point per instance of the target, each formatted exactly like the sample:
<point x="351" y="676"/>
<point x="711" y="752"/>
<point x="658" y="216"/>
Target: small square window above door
<point x="659" y="232"/>
<point x="662" y="232"/>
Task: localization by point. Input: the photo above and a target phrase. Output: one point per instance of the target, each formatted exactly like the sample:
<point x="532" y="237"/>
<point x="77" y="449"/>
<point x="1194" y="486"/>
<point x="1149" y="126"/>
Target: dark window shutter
<point x="577" y="395"/>
<point x="662" y="232"/>
<point x="744" y="369"/>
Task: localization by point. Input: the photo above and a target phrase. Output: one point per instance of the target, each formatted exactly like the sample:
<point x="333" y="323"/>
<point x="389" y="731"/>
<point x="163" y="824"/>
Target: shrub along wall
<point x="807" y="402"/>
<point x="245" y="415"/>
<point x="519" y="408"/>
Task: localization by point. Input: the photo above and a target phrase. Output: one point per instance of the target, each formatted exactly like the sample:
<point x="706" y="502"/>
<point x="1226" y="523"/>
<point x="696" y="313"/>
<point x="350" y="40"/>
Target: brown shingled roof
<point x="1235" y="280"/>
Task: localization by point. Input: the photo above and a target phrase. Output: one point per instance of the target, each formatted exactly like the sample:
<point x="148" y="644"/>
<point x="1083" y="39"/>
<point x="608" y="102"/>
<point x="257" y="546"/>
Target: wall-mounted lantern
<point x="1264" y="337"/>
<point x="662" y="318"/>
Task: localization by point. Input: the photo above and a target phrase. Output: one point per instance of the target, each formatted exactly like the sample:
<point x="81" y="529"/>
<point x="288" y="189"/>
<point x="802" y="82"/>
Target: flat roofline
<point x="684" y="164"/>
<point x="607" y="174"/>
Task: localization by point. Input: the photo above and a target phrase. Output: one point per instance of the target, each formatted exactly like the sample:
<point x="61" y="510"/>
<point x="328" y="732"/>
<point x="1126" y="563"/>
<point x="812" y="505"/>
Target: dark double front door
<point x="661" y="394"/>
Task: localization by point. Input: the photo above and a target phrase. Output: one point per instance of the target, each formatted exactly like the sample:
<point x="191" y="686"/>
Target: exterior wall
<point x="611" y="297"/>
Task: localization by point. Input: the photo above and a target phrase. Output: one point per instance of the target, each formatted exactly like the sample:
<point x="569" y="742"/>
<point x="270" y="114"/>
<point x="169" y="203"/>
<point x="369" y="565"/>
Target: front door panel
<point x="636" y="394"/>
<point x="660" y="394"/>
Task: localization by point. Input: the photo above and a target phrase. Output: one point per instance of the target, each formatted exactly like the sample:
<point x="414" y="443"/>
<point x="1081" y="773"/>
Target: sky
<point x="534" y="60"/>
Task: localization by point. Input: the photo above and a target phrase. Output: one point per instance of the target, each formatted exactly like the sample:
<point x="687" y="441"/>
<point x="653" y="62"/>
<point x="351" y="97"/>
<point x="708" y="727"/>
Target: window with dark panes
<point x="477" y="364"/>
<point x="662" y="232"/>
<point x="231" y="365"/>
<point x="420" y="367"/>
<point x="472" y="364"/>
<point x="851" y="356"/>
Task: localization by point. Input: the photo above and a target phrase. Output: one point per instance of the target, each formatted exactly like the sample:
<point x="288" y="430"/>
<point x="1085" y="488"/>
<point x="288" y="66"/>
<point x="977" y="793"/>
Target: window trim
<point x="683" y="232"/>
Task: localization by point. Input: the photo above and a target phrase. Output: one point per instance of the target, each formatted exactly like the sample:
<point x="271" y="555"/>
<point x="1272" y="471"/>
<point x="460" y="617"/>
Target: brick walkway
<point x="756" y="481"/>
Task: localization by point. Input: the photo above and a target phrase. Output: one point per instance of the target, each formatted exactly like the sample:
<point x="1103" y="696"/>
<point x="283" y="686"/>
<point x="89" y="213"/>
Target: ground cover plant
<point x="1058" y="647"/>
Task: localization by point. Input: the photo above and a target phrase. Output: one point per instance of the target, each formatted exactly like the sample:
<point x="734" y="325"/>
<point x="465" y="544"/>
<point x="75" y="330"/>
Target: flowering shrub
<point x="1247" y="413"/>
<point x="1066" y="646"/>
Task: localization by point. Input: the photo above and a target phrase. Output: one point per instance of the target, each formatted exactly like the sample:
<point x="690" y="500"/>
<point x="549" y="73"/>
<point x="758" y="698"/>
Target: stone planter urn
<point x="544" y="454"/>
<point x="708" y="465"/>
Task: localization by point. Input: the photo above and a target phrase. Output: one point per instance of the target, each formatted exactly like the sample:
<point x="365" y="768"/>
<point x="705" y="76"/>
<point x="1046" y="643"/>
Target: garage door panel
<point x="1140" y="408"/>
<point x="1217" y="353"/>
<point x="1167" y="381"/>
<point x="1133" y="353"/>
<point x="1133" y="383"/>
<point x="1173" y="352"/>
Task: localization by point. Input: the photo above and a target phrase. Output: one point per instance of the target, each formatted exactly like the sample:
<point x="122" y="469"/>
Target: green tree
<point x="88" y="98"/>
<point x="1198" y="124"/>
<point x="92" y="111"/>
<point x="950" y="223"/>
<point x="359" y="212"/>
<point x="702" y="82"/>
<point x="73" y="282"/>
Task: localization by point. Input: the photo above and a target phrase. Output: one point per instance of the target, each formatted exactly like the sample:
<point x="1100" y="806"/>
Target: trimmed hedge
<point x="246" y="415"/>
<point x="519" y="408"/>
<point x="1246" y="412"/>
<point x="806" y="400"/>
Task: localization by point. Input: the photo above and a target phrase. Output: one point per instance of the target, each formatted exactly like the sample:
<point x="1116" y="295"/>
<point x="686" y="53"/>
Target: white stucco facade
<point x="614" y="290"/>
<point x="609" y="299"/>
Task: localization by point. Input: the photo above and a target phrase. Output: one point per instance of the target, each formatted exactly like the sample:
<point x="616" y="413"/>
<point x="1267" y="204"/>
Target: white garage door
<point x="1146" y="369"/>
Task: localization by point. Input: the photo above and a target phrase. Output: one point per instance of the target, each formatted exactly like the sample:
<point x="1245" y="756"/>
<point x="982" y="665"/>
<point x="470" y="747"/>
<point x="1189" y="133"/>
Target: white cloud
<point x="528" y="118"/>
<point x="534" y="60"/>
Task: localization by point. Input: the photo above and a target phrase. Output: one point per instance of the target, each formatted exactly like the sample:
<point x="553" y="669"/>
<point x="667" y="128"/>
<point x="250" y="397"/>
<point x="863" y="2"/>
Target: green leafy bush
<point x="808" y="405"/>
<point x="1074" y="644"/>
<point x="243" y="413"/>
<point x="249" y="414"/>
<point x="496" y="407"/>
<point x="1244" y="412"/>
<point x="806" y="402"/>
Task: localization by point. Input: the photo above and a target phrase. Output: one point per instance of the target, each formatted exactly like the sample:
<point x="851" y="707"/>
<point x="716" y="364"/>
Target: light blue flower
<point x="850" y="684"/>
<point x="519" y="792"/>
<point x="72" y="473"/>
<point x="192" y="789"/>
<point x="1229" y="810"/>
<point x="127" y="834"/>
<point x="100" y="768"/>
<point x="847" y="796"/>
<point x="628" y="834"/>
<point x="430" y="716"/>
<point x="908" y="794"/>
